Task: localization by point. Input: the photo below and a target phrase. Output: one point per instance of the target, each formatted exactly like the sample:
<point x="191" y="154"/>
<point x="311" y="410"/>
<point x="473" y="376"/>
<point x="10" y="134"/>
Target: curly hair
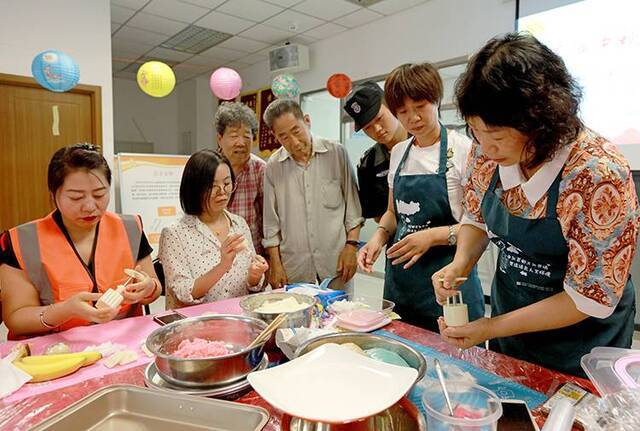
<point x="516" y="81"/>
<point x="415" y="81"/>
<point x="235" y="114"/>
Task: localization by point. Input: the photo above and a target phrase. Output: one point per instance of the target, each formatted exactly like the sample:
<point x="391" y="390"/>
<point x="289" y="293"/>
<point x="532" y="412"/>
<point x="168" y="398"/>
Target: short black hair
<point x="516" y="81"/>
<point x="73" y="158"/>
<point x="197" y="180"/>
<point x="415" y="81"/>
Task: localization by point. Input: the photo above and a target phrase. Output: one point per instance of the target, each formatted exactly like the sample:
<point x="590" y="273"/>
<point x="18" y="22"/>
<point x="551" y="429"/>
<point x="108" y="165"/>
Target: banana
<point x="88" y="358"/>
<point x="52" y="370"/>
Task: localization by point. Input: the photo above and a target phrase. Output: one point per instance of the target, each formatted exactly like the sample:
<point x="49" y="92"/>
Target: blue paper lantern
<point x="55" y="70"/>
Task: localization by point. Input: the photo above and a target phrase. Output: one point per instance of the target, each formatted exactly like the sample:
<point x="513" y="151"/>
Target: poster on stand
<point x="149" y="185"/>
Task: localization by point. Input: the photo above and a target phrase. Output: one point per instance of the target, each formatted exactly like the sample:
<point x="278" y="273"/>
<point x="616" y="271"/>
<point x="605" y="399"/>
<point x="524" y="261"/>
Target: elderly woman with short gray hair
<point x="236" y="128"/>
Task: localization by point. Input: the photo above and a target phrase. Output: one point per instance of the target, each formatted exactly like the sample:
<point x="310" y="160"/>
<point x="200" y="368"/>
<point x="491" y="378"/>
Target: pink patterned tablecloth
<point x="129" y="332"/>
<point x="20" y="413"/>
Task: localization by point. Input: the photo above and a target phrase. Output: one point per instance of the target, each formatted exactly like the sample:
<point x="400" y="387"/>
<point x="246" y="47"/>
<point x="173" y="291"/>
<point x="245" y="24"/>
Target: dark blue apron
<point x="531" y="266"/>
<point x="411" y="289"/>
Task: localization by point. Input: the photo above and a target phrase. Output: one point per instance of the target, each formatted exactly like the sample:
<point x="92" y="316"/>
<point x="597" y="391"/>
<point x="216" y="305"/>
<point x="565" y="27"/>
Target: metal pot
<point x="402" y="416"/>
<point x="295" y="319"/>
<point x="236" y="331"/>
<point x="368" y="341"/>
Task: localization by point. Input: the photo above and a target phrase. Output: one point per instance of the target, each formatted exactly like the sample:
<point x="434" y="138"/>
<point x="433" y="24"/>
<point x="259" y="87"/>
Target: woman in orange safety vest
<point x="55" y="268"/>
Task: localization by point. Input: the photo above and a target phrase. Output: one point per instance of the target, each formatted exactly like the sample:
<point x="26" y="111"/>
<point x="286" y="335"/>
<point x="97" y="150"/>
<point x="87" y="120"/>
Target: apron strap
<point x="444" y="143"/>
<point x="494" y="179"/>
<point x="552" y="197"/>
<point x="404" y="157"/>
<point x="396" y="175"/>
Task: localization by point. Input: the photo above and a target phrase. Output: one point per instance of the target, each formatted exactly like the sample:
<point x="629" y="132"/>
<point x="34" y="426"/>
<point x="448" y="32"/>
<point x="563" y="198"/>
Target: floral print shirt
<point x="597" y="210"/>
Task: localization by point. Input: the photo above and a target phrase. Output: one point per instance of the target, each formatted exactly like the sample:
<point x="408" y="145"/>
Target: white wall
<point x="196" y="108"/>
<point x="156" y="117"/>
<point x="206" y="106"/>
<point x="187" y="119"/>
<point x="80" y="28"/>
<point x="434" y="31"/>
<point x="179" y="123"/>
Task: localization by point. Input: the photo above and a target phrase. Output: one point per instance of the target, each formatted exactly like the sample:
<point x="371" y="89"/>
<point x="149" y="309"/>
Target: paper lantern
<point x="225" y="83"/>
<point x="55" y="70"/>
<point x="285" y="86"/>
<point x="156" y="79"/>
<point x="339" y="85"/>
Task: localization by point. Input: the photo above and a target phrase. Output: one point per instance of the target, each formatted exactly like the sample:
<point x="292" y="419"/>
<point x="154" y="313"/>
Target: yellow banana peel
<point x="52" y="370"/>
<point x="88" y="358"/>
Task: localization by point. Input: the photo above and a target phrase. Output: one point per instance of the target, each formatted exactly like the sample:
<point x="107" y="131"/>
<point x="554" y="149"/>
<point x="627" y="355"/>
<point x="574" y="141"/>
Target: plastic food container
<point x="481" y="407"/>
<point x="612" y="369"/>
<point x="371" y="303"/>
<point x="362" y="320"/>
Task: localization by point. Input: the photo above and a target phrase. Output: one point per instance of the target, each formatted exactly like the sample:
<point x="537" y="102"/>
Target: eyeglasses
<point x="226" y="188"/>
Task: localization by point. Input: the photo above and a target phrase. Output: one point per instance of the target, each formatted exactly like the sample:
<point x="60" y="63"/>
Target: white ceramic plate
<point x="332" y="384"/>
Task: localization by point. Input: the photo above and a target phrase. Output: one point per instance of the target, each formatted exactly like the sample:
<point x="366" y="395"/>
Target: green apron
<point x="411" y="289"/>
<point x="531" y="266"/>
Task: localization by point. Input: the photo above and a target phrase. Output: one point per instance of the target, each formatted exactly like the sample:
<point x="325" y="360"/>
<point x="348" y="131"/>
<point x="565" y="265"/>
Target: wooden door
<point x="34" y="123"/>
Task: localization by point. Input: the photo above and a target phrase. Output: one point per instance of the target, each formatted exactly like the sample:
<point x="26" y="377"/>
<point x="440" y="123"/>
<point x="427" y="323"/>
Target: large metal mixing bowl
<point x="295" y="319"/>
<point x="369" y="341"/>
<point x="237" y="332"/>
<point x="402" y="416"/>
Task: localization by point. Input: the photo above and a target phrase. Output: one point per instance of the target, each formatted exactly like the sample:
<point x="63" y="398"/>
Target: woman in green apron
<point x="558" y="201"/>
<point x="425" y="202"/>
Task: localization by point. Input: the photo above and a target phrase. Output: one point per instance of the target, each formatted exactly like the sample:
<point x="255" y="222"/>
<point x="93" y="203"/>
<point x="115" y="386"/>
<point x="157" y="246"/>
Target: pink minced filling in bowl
<point x="200" y="348"/>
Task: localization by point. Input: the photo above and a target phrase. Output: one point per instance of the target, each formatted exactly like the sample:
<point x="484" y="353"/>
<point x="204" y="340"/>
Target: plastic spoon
<point x="443" y="385"/>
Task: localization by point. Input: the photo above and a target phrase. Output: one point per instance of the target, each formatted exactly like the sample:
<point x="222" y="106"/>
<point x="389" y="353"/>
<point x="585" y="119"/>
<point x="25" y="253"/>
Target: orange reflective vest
<point x="57" y="272"/>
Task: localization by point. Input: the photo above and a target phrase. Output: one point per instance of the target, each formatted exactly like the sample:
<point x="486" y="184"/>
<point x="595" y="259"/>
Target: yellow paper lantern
<point x="156" y="79"/>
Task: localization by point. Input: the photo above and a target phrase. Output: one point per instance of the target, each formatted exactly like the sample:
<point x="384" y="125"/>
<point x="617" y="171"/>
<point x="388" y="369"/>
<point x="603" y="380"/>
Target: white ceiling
<point x="138" y="27"/>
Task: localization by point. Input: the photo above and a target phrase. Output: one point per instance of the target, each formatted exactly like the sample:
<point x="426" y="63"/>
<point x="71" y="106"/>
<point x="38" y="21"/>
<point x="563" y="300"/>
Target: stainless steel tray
<point x="132" y="408"/>
<point x="231" y="391"/>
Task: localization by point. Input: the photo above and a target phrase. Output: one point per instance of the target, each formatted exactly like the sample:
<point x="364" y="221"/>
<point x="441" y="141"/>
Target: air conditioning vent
<point x="195" y="39"/>
<point x="289" y="59"/>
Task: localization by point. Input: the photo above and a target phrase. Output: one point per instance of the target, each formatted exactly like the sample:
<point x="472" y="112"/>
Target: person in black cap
<point x="366" y="106"/>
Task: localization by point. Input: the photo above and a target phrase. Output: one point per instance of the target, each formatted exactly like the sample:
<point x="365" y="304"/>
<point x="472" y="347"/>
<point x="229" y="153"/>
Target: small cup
<point x="465" y="397"/>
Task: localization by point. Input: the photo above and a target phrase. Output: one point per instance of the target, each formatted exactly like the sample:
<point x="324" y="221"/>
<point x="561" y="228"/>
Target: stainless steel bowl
<point x="368" y="341"/>
<point x="296" y="319"/>
<point x="402" y="416"/>
<point x="236" y="331"/>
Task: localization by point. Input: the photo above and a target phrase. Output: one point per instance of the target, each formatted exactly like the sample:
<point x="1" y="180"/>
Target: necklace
<point x="219" y="231"/>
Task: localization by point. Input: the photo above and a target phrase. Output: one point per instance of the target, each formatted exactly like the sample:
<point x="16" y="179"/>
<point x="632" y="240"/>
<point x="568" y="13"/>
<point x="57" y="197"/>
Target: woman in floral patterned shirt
<point x="559" y="202"/>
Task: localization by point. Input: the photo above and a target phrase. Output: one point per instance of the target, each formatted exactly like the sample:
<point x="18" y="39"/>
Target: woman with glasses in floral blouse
<point x="208" y="255"/>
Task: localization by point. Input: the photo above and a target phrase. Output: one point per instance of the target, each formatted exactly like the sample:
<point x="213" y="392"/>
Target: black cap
<point x="364" y="103"/>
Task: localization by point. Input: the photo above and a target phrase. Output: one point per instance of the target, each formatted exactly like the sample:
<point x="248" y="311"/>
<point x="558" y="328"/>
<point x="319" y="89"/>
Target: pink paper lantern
<point x="225" y="83"/>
